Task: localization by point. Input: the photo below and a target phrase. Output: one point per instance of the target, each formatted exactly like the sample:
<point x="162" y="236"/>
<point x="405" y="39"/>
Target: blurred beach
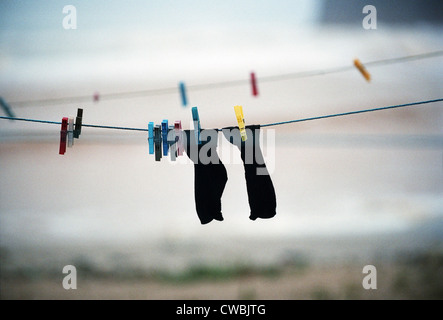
<point x="351" y="191"/>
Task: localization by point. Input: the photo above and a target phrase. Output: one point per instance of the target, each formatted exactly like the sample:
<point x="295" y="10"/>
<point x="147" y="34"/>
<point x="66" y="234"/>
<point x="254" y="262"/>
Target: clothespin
<point x="197" y="127"/>
<point x="63" y="133"/>
<point x="183" y="94"/>
<point x="6" y="108"/>
<point x="254" y="85"/>
<point x="78" y="123"/>
<point x="178" y="137"/>
<point x="171" y="142"/>
<point x="70" y="132"/>
<point x="151" y="137"/>
<point x="158" y="142"/>
<point x="241" y="121"/>
<point x="96" y="97"/>
<point x="362" y="69"/>
<point x="165" y="129"/>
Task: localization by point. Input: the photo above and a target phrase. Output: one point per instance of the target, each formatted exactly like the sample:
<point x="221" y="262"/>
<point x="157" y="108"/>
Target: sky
<point x="158" y="14"/>
<point x="135" y="37"/>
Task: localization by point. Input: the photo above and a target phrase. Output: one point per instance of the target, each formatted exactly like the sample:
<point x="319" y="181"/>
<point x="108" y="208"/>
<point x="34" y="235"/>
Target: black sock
<point x="261" y="193"/>
<point x="210" y="175"/>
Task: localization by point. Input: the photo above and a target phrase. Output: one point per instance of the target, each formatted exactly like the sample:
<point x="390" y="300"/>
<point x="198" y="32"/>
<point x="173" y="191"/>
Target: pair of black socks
<point x="210" y="174"/>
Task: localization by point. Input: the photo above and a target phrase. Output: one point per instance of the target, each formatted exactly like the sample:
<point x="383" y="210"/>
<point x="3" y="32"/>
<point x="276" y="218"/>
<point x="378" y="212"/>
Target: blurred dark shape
<point x="6" y="108"/>
<point x="388" y="12"/>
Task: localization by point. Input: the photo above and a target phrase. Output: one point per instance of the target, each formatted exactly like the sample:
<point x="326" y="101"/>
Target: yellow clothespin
<point x="362" y="69"/>
<point x="241" y="121"/>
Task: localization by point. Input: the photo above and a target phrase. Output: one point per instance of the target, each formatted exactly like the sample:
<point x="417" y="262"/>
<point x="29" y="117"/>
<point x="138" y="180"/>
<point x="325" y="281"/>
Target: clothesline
<point x="263" y="125"/>
<point x="224" y="84"/>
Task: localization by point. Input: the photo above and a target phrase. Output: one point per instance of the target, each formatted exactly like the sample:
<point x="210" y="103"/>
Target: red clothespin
<point x="254" y="85"/>
<point x="63" y="133"/>
<point x="178" y="137"/>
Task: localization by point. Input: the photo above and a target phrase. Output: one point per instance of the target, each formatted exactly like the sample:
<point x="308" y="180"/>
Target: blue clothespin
<point x="183" y="94"/>
<point x="165" y="129"/>
<point x="151" y="137"/>
<point x="6" y="108"/>
<point x="197" y="127"/>
<point x="158" y="142"/>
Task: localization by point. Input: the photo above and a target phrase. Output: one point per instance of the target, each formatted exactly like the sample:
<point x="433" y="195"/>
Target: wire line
<point x="224" y="84"/>
<point x="353" y="112"/>
<point x="263" y="125"/>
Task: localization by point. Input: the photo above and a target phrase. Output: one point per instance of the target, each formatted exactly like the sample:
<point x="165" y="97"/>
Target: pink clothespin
<point x="254" y="85"/>
<point x="178" y="137"/>
<point x="96" y="97"/>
